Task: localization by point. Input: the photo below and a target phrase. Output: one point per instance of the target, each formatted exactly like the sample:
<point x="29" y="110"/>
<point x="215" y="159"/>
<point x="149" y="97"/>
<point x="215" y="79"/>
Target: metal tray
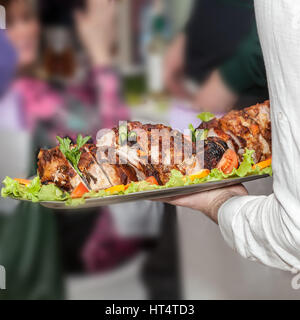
<point x="152" y="195"/>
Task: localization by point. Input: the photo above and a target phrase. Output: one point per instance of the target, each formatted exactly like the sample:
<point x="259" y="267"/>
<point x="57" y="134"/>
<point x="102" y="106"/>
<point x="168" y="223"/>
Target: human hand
<point x="174" y="67"/>
<point x="96" y="27"/>
<point x="214" y="95"/>
<point x="208" y="202"/>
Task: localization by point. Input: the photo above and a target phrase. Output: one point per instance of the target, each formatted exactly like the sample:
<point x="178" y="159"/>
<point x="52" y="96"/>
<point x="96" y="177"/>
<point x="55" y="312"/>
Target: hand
<point x="214" y="95"/>
<point x="96" y="28"/>
<point x="174" y="67"/>
<point x="208" y="202"/>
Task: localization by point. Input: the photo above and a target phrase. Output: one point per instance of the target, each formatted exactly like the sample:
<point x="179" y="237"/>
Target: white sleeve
<point x="267" y="229"/>
<point x="259" y="229"/>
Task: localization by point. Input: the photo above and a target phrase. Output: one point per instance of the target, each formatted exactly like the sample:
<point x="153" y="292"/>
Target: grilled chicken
<point x="133" y="153"/>
<point x="91" y="170"/>
<point x="54" y="168"/>
<point x="249" y="128"/>
<point x="116" y="174"/>
<point x="158" y="149"/>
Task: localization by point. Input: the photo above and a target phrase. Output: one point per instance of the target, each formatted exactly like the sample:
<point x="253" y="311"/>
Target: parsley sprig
<point x="71" y="152"/>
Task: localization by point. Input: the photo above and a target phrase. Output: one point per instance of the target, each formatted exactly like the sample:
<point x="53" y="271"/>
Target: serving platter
<point x="151" y="195"/>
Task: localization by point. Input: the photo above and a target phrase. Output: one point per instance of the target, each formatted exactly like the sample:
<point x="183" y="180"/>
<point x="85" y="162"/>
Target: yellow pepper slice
<point x="116" y="189"/>
<point x="263" y="164"/>
<point x="202" y="174"/>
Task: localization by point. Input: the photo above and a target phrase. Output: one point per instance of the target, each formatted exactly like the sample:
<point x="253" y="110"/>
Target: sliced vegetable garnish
<point x="116" y="189"/>
<point x="36" y="192"/>
<point x="25" y="182"/>
<point x="202" y="174"/>
<point x="263" y="164"/>
<point x="152" y="181"/>
<point x="79" y="191"/>
<point x="228" y="162"/>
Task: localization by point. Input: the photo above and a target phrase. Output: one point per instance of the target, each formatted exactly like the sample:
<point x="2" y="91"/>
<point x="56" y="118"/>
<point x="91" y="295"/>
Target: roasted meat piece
<point x="91" y="170"/>
<point x="214" y="149"/>
<point x="115" y="174"/>
<point x="248" y="128"/>
<point x="155" y="150"/>
<point x="54" y="168"/>
<point x="135" y="151"/>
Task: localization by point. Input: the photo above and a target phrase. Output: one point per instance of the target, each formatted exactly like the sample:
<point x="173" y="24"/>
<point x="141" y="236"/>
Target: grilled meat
<point x="214" y="149"/>
<point x="115" y="173"/>
<point x="131" y="154"/>
<point x="91" y="170"/>
<point x="249" y="128"/>
<point x="54" y="168"/>
<point x="153" y="150"/>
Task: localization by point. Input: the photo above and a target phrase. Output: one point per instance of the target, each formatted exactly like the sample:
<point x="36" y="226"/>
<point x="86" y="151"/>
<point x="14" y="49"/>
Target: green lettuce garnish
<point x="206" y="116"/>
<point x="198" y="135"/>
<point x="37" y="192"/>
<point x="34" y="192"/>
<point x="71" y="152"/>
<point x="141" y="186"/>
<point x="176" y="179"/>
<point x="51" y="193"/>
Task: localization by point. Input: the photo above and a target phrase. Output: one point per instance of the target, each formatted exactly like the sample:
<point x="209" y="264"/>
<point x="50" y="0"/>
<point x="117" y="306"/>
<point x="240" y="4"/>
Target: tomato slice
<point x="152" y="181"/>
<point x="229" y="161"/>
<point x="79" y="191"/>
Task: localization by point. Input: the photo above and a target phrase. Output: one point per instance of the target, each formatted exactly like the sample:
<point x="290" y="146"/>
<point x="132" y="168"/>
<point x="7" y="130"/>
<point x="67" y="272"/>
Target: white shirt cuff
<point x="226" y="217"/>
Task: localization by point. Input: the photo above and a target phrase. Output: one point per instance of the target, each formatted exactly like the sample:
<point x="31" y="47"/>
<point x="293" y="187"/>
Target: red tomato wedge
<point x="229" y="161"/>
<point x="79" y="191"/>
<point x="152" y="180"/>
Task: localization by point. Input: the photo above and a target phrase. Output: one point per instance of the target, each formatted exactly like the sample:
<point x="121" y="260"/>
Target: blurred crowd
<point x="59" y="75"/>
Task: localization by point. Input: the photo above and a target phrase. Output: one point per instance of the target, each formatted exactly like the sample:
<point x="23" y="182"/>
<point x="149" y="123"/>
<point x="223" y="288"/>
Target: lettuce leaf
<point x="176" y="179"/>
<point x="141" y="186"/>
<point x="206" y="116"/>
<point x="34" y="192"/>
<point x="16" y="190"/>
<point x="51" y="193"/>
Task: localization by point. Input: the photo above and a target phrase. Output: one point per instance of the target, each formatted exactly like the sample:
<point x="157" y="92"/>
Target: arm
<point x="246" y="69"/>
<point x="97" y="30"/>
<point x="267" y="229"/>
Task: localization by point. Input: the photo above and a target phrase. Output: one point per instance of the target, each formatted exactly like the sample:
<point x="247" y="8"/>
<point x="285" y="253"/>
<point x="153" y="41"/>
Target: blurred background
<point x="76" y="66"/>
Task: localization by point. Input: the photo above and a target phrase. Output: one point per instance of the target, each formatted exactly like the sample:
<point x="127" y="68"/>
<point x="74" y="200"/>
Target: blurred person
<point x="7" y="63"/>
<point x="266" y="228"/>
<point x="30" y="247"/>
<point x="220" y="56"/>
